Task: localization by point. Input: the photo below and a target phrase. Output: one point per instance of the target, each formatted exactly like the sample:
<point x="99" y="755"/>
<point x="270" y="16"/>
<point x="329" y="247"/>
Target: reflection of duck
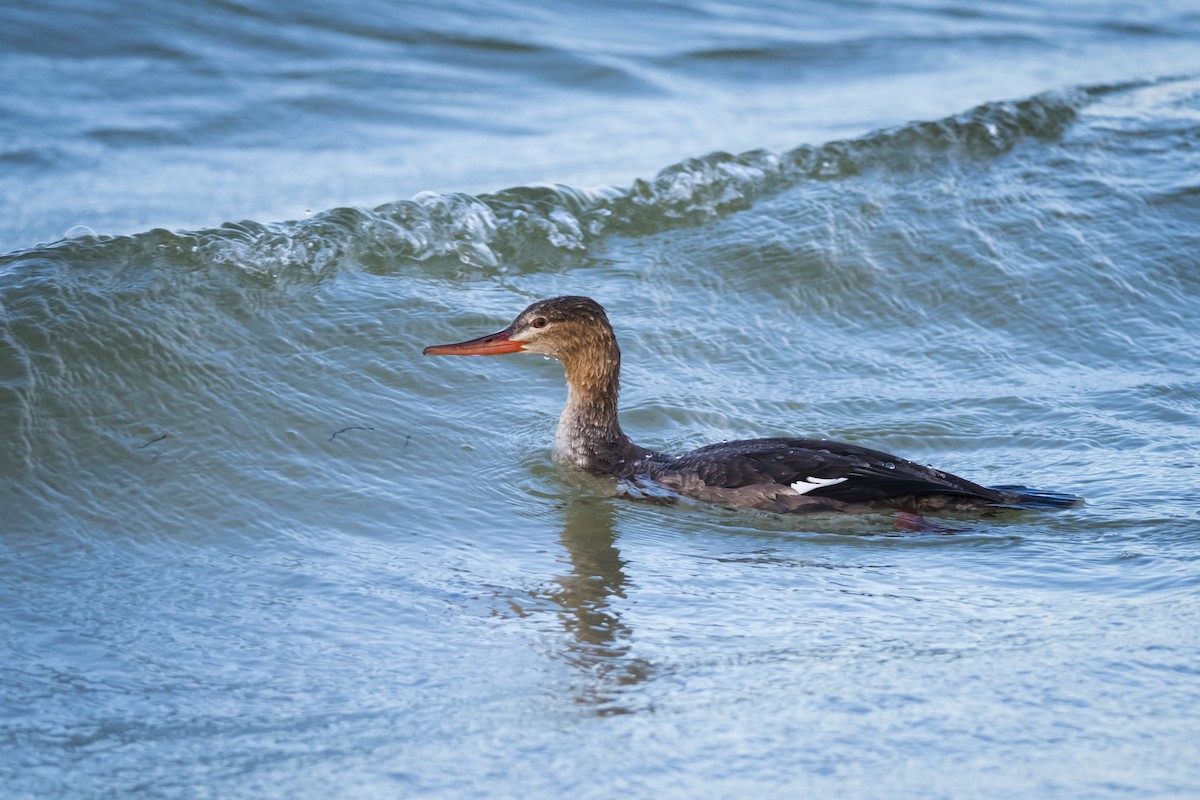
<point x="587" y="598"/>
<point x="780" y="474"/>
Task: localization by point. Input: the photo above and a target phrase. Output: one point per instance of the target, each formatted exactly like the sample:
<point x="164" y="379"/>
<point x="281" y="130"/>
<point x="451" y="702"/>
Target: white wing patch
<point x="808" y="484"/>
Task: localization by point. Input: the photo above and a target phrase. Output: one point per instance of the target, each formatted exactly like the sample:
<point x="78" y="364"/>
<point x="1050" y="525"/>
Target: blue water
<point x="252" y="544"/>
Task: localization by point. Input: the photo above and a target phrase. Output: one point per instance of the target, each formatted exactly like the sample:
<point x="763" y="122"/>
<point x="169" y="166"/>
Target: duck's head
<point x="559" y="327"/>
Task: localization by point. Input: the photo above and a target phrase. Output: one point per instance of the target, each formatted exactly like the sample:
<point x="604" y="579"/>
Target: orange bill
<point x="493" y="344"/>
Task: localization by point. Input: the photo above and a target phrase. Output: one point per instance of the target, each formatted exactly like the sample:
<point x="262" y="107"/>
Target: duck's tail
<point x="1027" y="497"/>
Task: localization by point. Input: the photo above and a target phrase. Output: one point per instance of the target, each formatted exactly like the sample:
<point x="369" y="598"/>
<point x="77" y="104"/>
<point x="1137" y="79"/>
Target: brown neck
<point x="589" y="434"/>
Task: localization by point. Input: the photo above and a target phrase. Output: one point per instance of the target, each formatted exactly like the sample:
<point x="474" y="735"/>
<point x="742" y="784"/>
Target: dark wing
<point x="817" y="468"/>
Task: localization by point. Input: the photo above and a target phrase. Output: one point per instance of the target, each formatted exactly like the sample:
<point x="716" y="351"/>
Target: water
<point x="255" y="545"/>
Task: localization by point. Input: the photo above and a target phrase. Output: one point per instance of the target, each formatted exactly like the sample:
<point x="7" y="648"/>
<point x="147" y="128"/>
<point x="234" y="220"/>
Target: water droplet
<point x="79" y="232"/>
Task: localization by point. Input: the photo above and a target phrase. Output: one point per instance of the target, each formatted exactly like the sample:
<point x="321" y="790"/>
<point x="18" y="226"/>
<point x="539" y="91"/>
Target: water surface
<point x="255" y="545"/>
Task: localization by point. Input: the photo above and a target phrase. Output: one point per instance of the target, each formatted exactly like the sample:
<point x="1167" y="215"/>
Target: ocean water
<point x="253" y="544"/>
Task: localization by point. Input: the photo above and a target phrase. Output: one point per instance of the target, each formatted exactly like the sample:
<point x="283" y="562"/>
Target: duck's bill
<point x="494" y="344"/>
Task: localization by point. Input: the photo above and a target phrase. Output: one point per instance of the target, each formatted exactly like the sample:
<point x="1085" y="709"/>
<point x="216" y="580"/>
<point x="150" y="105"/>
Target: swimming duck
<point x="781" y="475"/>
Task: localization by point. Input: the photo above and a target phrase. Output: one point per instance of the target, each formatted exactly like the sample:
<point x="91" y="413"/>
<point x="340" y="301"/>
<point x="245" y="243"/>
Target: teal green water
<point x="253" y="544"/>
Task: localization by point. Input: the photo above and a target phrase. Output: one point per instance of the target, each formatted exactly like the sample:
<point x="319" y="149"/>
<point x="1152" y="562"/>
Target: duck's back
<point x="787" y="475"/>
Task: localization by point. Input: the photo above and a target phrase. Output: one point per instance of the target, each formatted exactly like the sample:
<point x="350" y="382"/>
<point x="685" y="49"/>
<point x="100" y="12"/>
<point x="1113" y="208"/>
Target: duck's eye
<point x="539" y="322"/>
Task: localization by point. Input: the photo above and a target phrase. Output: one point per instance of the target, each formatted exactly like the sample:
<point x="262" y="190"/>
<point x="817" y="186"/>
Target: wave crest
<point x="489" y="230"/>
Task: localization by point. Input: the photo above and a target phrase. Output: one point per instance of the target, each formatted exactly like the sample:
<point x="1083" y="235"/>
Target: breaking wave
<point x="493" y="230"/>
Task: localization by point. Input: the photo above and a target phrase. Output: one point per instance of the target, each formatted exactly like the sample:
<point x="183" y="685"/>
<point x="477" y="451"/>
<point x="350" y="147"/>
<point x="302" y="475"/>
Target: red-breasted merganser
<point x="781" y="475"/>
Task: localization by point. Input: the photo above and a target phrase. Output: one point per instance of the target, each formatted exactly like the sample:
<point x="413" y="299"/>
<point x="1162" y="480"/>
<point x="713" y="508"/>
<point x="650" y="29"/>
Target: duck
<point x="780" y="475"/>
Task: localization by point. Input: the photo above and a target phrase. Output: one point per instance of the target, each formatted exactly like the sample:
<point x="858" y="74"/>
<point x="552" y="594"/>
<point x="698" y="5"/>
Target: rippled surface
<point x="254" y="545"/>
